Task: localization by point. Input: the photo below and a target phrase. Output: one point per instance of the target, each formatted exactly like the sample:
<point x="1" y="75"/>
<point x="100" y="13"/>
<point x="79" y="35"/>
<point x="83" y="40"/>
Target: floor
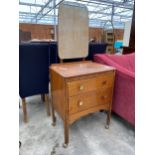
<point x="88" y="135"/>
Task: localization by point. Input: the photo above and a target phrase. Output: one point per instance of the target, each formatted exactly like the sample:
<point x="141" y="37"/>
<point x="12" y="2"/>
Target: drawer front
<point x="103" y="81"/>
<point x="90" y="99"/>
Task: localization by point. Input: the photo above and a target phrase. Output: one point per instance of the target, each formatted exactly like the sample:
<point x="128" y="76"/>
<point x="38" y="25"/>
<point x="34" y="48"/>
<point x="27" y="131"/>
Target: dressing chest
<point x="80" y="88"/>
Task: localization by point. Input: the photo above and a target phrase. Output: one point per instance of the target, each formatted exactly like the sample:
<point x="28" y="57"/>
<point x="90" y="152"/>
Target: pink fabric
<point x="124" y="90"/>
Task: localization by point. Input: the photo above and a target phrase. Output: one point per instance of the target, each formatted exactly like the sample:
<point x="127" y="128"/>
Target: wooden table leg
<point x="108" y="119"/>
<point x="47" y="104"/>
<point x="24" y="110"/>
<point x="53" y="114"/>
<point x="66" y="134"/>
<point x="43" y="97"/>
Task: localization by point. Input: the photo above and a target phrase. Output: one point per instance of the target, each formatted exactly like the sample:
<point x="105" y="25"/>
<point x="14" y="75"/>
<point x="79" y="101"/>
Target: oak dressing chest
<point x="80" y="88"/>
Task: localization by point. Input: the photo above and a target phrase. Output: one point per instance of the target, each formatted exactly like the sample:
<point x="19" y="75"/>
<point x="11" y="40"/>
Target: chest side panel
<point x="58" y="93"/>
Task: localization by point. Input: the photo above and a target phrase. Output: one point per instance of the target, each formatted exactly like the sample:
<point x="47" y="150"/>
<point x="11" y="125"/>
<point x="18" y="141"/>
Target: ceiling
<point x="102" y="13"/>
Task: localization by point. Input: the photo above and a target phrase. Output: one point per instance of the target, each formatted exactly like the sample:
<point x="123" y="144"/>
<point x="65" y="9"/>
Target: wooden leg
<point x="47" y="104"/>
<point x="43" y="97"/>
<point x="108" y="119"/>
<point x="53" y="114"/>
<point x="24" y="110"/>
<point x="66" y="134"/>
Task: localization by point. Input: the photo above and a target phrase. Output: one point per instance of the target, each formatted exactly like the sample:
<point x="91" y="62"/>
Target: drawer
<point x="103" y="81"/>
<point x="90" y="99"/>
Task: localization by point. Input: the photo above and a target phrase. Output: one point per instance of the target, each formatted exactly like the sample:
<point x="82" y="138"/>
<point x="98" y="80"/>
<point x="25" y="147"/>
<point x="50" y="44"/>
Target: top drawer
<point x="102" y="81"/>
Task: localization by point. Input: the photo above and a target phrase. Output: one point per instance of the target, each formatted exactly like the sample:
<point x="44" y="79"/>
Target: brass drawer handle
<point x="104" y="82"/>
<point x="81" y="87"/>
<point x="80" y="103"/>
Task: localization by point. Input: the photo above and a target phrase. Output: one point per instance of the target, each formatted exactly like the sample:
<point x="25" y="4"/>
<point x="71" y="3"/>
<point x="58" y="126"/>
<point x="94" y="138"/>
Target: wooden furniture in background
<point x="39" y="31"/>
<point x="96" y="33"/>
<point x="78" y="89"/>
<point x="24" y="36"/>
<point x="110" y="41"/>
<point x="118" y="34"/>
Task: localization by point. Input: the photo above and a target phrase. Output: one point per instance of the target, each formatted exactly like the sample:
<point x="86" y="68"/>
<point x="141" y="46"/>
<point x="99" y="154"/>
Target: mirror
<point x="73" y="31"/>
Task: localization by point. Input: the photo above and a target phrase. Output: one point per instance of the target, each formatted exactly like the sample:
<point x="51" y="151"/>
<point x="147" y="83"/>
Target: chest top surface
<point x="74" y="69"/>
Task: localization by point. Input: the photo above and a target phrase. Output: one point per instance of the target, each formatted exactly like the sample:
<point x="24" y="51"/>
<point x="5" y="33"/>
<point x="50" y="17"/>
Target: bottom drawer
<point x="87" y="100"/>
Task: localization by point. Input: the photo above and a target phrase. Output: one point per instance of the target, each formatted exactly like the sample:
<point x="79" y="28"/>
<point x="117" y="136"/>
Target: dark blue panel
<point x="33" y="69"/>
<point x="96" y="48"/>
<point x="53" y="53"/>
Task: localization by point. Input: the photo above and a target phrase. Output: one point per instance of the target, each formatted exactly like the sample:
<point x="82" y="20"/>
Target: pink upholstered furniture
<point x="124" y="90"/>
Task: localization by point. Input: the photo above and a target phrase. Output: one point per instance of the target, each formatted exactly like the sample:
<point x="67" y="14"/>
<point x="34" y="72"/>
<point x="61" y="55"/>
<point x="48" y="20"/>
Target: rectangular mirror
<point x="73" y="31"/>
